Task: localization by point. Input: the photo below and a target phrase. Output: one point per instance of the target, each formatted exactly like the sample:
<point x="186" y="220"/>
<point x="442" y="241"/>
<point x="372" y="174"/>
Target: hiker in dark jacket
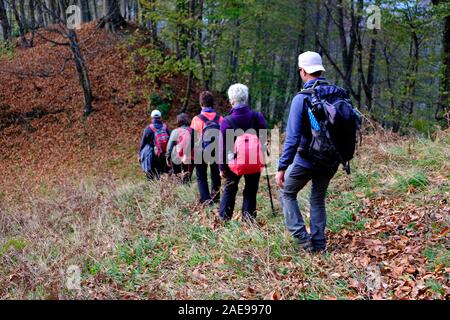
<point x="244" y="118"/>
<point x="152" y="164"/>
<point x="207" y="114"/>
<point x="179" y="168"/>
<point x="295" y="170"/>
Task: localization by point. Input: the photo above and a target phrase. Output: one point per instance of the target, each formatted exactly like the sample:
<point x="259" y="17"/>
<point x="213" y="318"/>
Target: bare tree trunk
<point x="234" y="54"/>
<point x="6" y="28"/>
<point x="94" y="5"/>
<point x="389" y="77"/>
<point x="23" y="39"/>
<point x="367" y="82"/>
<point x="40" y="15"/>
<point x="62" y="10"/>
<point x="32" y="20"/>
<point x="23" y="16"/>
<point x="444" y="96"/>
<point x="85" y="10"/>
<point x="53" y="8"/>
<point x="82" y="71"/>
<point x="112" y="18"/>
<point x="410" y="82"/>
<point x="191" y="54"/>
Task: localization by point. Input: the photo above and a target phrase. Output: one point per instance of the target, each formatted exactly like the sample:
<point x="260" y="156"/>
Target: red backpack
<point x="161" y="140"/>
<point x="185" y="145"/>
<point x="248" y="151"/>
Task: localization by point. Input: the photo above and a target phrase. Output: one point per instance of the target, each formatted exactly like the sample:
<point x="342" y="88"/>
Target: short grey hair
<point x="238" y="94"/>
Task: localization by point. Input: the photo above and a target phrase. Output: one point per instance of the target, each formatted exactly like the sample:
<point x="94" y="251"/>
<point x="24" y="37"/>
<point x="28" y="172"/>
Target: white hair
<point x="238" y="94"/>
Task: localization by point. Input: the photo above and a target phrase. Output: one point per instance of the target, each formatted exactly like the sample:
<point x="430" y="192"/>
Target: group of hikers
<point x="320" y="135"/>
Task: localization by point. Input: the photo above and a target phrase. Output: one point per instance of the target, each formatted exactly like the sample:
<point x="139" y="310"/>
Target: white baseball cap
<point x="156" y="114"/>
<point x="311" y="62"/>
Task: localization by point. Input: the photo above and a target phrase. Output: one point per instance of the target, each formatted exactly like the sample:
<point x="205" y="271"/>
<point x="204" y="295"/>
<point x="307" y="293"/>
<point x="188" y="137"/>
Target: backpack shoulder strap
<point x="320" y="82"/>
<point x="231" y="122"/>
<point x="203" y="118"/>
<point x="216" y="118"/>
<point x="152" y="127"/>
<point x="308" y="93"/>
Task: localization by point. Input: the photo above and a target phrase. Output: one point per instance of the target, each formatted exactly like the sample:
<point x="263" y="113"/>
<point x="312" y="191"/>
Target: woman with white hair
<point x="242" y="117"/>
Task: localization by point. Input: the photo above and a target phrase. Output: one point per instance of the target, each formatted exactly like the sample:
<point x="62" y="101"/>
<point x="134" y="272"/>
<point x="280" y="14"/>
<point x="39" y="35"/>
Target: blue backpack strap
<point x="203" y="118"/>
<point x="308" y="110"/>
<point x="216" y="118"/>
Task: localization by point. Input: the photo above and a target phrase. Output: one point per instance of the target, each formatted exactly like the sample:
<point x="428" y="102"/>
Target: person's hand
<point x="280" y="179"/>
<point x="139" y="158"/>
<point x="168" y="163"/>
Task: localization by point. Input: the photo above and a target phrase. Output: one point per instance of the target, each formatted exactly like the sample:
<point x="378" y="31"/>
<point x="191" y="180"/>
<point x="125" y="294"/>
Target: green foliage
<point x="343" y="212"/>
<point x="136" y="259"/>
<point x="6" y="50"/>
<point x="155" y="101"/>
<point x="435" y="286"/>
<point x="367" y="182"/>
<point x="411" y="181"/>
<point x="438" y="256"/>
<point x="15" y="243"/>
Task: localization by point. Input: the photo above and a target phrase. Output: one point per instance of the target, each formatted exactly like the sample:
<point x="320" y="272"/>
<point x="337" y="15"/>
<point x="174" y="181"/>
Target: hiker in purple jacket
<point x="244" y="118"/>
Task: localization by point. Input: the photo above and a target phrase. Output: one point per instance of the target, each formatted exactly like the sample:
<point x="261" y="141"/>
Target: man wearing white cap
<point x="295" y="170"/>
<point x="152" y="151"/>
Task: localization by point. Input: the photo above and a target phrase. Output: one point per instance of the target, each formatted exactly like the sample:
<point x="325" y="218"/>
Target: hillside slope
<point x="388" y="229"/>
<point x="43" y="136"/>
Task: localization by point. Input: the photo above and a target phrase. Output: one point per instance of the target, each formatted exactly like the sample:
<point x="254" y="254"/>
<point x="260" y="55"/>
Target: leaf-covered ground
<point x="388" y="234"/>
<point x="71" y="194"/>
<point x="43" y="134"/>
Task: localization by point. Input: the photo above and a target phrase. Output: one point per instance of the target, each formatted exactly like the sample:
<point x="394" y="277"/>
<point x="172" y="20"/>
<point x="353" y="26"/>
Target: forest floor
<point x="72" y="194"/>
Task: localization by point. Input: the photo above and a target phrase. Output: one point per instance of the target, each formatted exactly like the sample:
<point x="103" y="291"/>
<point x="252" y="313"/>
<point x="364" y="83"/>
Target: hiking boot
<point x="305" y="245"/>
<point x="315" y="250"/>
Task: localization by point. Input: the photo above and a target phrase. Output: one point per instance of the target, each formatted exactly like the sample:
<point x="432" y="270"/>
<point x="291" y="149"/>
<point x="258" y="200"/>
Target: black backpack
<point x="208" y="136"/>
<point x="334" y="124"/>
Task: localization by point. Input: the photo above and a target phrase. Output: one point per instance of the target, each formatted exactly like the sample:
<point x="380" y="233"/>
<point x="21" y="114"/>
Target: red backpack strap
<point x="152" y="127"/>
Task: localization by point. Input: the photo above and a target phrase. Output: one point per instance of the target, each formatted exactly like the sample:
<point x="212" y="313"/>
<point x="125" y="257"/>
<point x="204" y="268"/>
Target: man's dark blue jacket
<point x="295" y="131"/>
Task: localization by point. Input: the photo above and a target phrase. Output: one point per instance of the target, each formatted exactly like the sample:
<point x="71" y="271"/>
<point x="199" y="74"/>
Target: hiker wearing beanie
<point x="236" y="161"/>
<point x="152" y="152"/>
<point x="320" y="135"/>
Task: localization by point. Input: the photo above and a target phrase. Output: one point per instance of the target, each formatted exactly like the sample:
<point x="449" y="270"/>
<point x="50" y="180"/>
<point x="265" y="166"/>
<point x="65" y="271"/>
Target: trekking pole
<point x="274" y="213"/>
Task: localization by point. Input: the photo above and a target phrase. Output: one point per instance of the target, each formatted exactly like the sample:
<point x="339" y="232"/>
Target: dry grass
<point x="135" y="240"/>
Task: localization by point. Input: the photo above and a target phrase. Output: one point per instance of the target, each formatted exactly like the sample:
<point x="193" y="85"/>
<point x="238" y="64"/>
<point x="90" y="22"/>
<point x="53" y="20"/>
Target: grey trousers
<point x="296" y="178"/>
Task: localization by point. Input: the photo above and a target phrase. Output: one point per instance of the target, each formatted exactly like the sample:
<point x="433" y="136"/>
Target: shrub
<point x="155" y="101"/>
<point x="6" y="50"/>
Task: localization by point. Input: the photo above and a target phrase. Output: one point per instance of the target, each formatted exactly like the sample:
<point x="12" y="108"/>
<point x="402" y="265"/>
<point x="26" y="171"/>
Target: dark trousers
<point x="184" y="171"/>
<point x="228" y="200"/>
<point x="202" y="179"/>
<point x="158" y="167"/>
